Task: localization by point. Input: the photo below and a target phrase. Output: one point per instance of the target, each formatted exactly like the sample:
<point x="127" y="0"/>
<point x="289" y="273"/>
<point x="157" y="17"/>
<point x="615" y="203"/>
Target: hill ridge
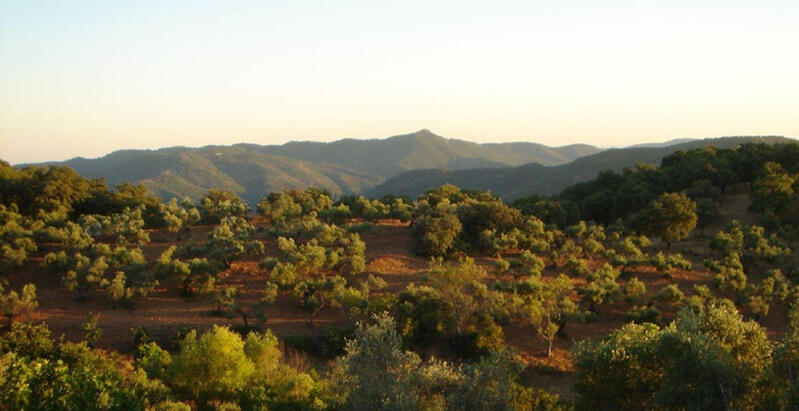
<point x="527" y="179"/>
<point x="344" y="166"/>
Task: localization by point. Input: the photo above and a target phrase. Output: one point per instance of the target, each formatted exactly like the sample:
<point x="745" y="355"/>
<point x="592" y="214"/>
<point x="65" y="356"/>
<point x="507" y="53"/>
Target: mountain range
<point x="346" y="166"/>
<point x="406" y="164"/>
<point x="514" y="182"/>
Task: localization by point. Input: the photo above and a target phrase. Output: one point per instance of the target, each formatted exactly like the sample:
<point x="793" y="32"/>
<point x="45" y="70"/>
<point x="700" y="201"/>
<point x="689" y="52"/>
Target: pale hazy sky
<point x="88" y="77"/>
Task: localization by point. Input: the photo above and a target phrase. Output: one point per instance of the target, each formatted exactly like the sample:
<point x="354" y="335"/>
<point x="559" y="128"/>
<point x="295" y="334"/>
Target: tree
<point x="377" y="374"/>
<point x="213" y="366"/>
<point x="773" y="190"/>
<point x="434" y="233"/>
<point x="228" y="303"/>
<point x="365" y="208"/>
<point x="231" y="239"/>
<point x="118" y="290"/>
<point x="760" y="297"/>
<point x="633" y="290"/>
<point x="179" y="217"/>
<point x="715" y="357"/>
<point x="218" y="204"/>
<point x="665" y="264"/>
<point x="478" y="216"/>
<point x="750" y="245"/>
<point x="600" y="288"/>
<point x="491" y="384"/>
<point x="126" y="228"/>
<point x="460" y="286"/>
<point x="641" y="314"/>
<point x="559" y="212"/>
<point x="671" y="294"/>
<point x="197" y="275"/>
<point x="708" y="358"/>
<point x="13" y="304"/>
<point x="618" y="371"/>
<point x="549" y="306"/>
<point x="729" y="241"/>
<point x="703" y="189"/>
<point x="79" y="272"/>
<point x="671" y="217"/>
<point x="529" y="264"/>
<point x="786" y="359"/>
<point x="27" y="339"/>
<point x="315" y="294"/>
<point x="132" y="275"/>
<point x="92" y="266"/>
<point x="16" y="237"/>
<point x="447" y="193"/>
<point x="422" y="314"/>
<point x="72" y="376"/>
<point x="730" y="275"/>
<point x="47" y="188"/>
<point x="258" y="309"/>
<point x="220" y="368"/>
<point x="91" y="331"/>
<point x="280" y="207"/>
<point x="707" y="212"/>
<point x="399" y="208"/>
<point x="225" y="300"/>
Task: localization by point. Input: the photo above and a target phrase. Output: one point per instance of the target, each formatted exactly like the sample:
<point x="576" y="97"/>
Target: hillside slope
<point x="341" y="167"/>
<point x="178" y="172"/>
<point x="514" y="182"/>
<point x="424" y="149"/>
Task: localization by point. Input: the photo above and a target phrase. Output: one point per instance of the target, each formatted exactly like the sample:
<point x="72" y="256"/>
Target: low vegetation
<point x="631" y="291"/>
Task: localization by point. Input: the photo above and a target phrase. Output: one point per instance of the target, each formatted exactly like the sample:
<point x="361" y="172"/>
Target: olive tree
<point x="179" y="217"/>
<point x="13" y="304"/>
<point x="670" y="217"/>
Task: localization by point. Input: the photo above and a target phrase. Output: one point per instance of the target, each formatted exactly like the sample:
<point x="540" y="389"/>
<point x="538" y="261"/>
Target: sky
<point x="84" y="78"/>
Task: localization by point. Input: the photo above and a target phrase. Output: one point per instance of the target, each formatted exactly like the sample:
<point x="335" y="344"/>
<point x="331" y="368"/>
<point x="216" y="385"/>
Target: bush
<point x="633" y="290"/>
<point x="480" y="339"/>
<point x="26" y="339"/>
<point x="671" y="294"/>
<point x="642" y="314"/>
<point x="435" y="234"/>
<point x="708" y="358"/>
<point x="13" y="304"/>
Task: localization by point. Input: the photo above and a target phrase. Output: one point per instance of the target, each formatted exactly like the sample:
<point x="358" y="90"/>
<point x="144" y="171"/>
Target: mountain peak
<point x="424" y="133"/>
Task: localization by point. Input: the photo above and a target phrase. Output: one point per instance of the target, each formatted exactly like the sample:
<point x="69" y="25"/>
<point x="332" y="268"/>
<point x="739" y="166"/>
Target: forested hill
<point x="515" y="182"/>
<point x="424" y="149"/>
<point x="344" y="166"/>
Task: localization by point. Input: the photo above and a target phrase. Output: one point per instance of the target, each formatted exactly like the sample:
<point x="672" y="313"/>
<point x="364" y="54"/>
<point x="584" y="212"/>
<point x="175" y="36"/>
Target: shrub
<point x="671" y="294"/>
<point x="642" y="314"/>
<point x="633" y="290"/>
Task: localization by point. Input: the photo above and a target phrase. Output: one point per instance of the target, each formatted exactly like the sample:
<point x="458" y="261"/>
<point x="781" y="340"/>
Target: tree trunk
<point x="244" y="317"/>
<point x="316" y="311"/>
<point x="83" y="294"/>
<point x="187" y="287"/>
<point x="561" y="328"/>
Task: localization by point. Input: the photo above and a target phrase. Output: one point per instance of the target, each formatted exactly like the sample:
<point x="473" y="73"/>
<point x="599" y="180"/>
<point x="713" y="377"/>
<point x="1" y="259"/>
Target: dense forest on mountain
<point x="670" y="286"/>
<point x="511" y="183"/>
